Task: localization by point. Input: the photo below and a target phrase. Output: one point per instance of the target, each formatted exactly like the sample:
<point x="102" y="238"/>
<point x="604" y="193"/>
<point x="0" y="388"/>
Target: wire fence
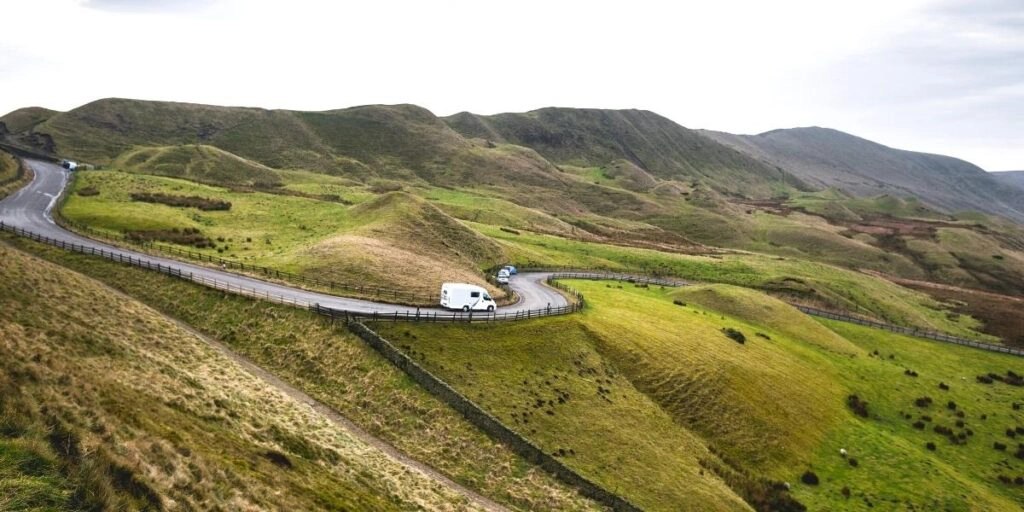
<point x="911" y="331"/>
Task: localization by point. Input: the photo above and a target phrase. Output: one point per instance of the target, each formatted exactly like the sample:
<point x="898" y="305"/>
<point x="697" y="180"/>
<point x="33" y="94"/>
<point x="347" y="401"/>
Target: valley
<point x="719" y="395"/>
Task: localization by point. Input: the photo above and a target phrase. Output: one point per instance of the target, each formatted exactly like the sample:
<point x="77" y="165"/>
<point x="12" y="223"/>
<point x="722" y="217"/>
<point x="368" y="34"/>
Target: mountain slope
<point x="107" y="405"/>
<point x="1010" y="178"/>
<point x="830" y="158"/>
<point x="655" y="144"/>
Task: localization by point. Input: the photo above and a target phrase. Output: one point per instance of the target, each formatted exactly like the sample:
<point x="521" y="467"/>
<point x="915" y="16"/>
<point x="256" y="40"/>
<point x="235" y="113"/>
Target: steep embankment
<point x="406" y="243"/>
<point x="108" y="405"/>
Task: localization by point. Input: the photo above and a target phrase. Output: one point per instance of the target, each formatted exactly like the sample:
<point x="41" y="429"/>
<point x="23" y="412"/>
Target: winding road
<point x="30" y="209"/>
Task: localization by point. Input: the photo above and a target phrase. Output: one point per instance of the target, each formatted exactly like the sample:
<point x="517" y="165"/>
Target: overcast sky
<point x="943" y="76"/>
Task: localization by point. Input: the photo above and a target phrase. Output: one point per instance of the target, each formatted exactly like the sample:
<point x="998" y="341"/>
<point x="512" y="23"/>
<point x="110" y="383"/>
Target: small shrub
<point x="1016" y="406"/>
<point x="910" y="373"/>
<point x="943" y="386"/>
<point x="1011" y="433"/>
<point x="278" y="458"/>
<point x="999" y="446"/>
<point x="919" y="425"/>
<point x="678" y="302"/>
<point x="951" y="405"/>
<point x="763" y="335"/>
<point x="509" y="230"/>
<point x="984" y="379"/>
<point x="735" y="335"/>
<point x="88" y="191"/>
<point x="858" y="406"/>
<point x="924" y="401"/>
<point x="930" y="445"/>
<point x="809" y="478"/>
<point x="960" y="423"/>
<point x="845" y="491"/>
<point x="202" y="203"/>
<point x="853" y="462"/>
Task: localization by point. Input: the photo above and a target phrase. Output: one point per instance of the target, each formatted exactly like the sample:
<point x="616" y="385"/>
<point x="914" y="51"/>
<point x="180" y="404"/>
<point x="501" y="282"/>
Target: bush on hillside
<point x="202" y="203"/>
<point x="735" y="335"/>
<point x="89" y="191"/>
<point x="809" y="478"/>
<point x="858" y="406"/>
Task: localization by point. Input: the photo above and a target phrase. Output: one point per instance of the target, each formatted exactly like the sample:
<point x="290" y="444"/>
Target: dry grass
<point x="157" y="417"/>
<point x="339" y="370"/>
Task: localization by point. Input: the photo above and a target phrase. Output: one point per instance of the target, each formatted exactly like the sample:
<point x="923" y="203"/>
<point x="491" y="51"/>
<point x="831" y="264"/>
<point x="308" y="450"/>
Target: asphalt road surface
<point x="29" y="209"/>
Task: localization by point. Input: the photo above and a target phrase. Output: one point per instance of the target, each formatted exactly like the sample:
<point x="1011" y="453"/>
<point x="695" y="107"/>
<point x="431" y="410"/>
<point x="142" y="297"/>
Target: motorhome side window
<point x="474" y="294"/>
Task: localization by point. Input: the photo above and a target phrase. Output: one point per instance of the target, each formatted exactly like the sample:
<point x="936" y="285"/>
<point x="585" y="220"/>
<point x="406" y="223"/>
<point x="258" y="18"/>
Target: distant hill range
<point x="1010" y="178"/>
<point x="409" y="143"/>
<point x="829" y="158"/>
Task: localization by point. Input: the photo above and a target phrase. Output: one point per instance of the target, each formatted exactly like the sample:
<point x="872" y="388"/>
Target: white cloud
<point x="904" y="72"/>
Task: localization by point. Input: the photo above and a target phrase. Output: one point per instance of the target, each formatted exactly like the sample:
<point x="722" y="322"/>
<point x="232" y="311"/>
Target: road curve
<point x="30" y="209"/>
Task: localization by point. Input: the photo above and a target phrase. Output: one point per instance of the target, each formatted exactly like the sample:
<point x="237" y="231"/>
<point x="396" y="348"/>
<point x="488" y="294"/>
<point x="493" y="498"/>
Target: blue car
<point x="511" y="270"/>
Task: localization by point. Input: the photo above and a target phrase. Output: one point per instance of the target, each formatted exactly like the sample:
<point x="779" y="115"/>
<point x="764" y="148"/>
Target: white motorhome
<point x="467" y="297"/>
<point x="69" y="165"/>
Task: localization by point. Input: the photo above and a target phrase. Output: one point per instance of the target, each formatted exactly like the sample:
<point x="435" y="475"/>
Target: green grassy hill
<point x="107" y="405"/>
<point x="649" y="370"/>
<point x="629" y="178"/>
<point x="340" y="370"/>
<point x="592" y="137"/>
<point x="24" y="119"/>
<point x="203" y="164"/>
<point x="830" y="158"/>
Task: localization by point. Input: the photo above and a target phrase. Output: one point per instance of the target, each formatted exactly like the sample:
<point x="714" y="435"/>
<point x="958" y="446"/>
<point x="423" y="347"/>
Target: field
<point x="643" y="360"/>
<point x="107" y="405"/>
<point x="337" y="369"/>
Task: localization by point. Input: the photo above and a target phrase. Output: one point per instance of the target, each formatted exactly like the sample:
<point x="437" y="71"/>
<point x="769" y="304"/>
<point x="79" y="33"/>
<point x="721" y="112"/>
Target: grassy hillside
<point x="830" y="158"/>
<point x="591" y="137"/>
<point x="339" y="370"/>
<point x="794" y="279"/>
<point x="203" y="164"/>
<point x="775" y="406"/>
<point x="9" y="181"/>
<point x="622" y="177"/>
<point x="108" y="405"/>
<point x="24" y="119"/>
<point x="8" y="167"/>
<point x="394" y="240"/>
<point x="1010" y="178"/>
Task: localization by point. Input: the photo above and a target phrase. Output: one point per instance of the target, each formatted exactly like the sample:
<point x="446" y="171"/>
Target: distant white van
<point x="69" y="165"/>
<point x="467" y="297"/>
